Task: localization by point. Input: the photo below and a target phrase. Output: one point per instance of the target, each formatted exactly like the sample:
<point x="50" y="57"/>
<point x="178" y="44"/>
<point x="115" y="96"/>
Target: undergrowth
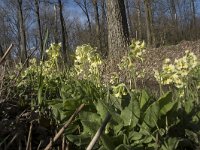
<point x="139" y="120"/>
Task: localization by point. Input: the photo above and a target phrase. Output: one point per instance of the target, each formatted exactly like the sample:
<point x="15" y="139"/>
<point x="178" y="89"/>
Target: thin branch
<point x="28" y="145"/>
<point x="99" y="132"/>
<point x="6" y="53"/>
<point x="12" y="140"/>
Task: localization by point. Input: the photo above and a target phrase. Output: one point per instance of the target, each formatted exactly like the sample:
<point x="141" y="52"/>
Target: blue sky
<point x="74" y="9"/>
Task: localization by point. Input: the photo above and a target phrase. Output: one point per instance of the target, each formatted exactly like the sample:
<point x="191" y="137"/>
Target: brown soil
<point x="154" y="56"/>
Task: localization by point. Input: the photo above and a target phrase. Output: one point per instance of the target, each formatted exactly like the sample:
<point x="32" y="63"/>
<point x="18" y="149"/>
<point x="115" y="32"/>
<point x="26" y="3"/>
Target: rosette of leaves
<point x="136" y="123"/>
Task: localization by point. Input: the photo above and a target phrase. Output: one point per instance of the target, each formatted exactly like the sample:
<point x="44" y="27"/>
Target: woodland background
<point x="75" y="22"/>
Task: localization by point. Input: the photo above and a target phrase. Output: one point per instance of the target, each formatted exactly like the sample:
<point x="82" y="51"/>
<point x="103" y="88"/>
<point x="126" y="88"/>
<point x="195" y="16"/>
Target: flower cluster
<point x="87" y="61"/>
<point x="136" y="52"/>
<point x="49" y="67"/>
<point x="54" y="51"/>
<point x="177" y="73"/>
<point x="114" y="78"/>
<point x="119" y="90"/>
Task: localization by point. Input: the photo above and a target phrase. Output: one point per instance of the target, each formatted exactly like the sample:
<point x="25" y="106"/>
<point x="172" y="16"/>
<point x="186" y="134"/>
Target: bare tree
<point x="118" y="35"/>
<point x="104" y="32"/>
<point x="149" y="22"/>
<point x="139" y="23"/>
<point x="63" y="31"/>
<point x="37" y="12"/>
<point x="23" y="51"/>
<point x="193" y="25"/>
<point x="129" y="21"/>
<point x="83" y="4"/>
<point x="96" y="13"/>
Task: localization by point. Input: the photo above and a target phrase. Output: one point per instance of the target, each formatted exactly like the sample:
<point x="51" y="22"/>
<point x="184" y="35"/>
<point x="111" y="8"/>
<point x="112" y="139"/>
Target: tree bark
<point x="193" y="19"/>
<point x="104" y="36"/>
<point x="64" y="46"/>
<point x="98" y="34"/>
<point x="118" y="35"/>
<point x="129" y="18"/>
<point x="1" y="52"/>
<point x="174" y="20"/>
<point x="37" y="11"/>
<point x="55" y="24"/>
<point x="23" y="51"/>
<point x="149" y="23"/>
<point x="139" y="24"/>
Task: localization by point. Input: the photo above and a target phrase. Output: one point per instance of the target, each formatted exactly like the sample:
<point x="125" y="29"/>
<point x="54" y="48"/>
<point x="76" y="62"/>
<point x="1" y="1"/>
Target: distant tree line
<point x="108" y="25"/>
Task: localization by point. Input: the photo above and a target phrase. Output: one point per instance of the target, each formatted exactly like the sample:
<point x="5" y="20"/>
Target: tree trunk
<point x="1" y="52"/>
<point x="103" y="28"/>
<point x="129" y="18"/>
<point x="174" y="20"/>
<point x="193" y="19"/>
<point x="88" y="17"/>
<point x="96" y="11"/>
<point x="23" y="51"/>
<point x="173" y="11"/>
<point x="55" y="25"/>
<point x="139" y="24"/>
<point x="149" y="23"/>
<point x="64" y="47"/>
<point x="37" y="11"/>
<point x="118" y="35"/>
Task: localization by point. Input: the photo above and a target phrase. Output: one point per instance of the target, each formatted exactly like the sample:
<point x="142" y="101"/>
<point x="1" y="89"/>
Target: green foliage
<point x="138" y="120"/>
<point x="128" y="62"/>
<point x="183" y="74"/>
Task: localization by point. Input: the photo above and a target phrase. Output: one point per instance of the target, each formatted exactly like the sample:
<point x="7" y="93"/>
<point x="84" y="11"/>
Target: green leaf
<point x="134" y="136"/>
<point x="147" y="139"/>
<point x="144" y="98"/>
<point x="101" y="110"/>
<point x="151" y="115"/>
<point x="81" y="140"/>
<point x="114" y="113"/>
<point x="103" y="148"/>
<point x="56" y="109"/>
<point x="107" y="142"/>
<point x="166" y="103"/>
<point x="122" y="147"/>
<point x="170" y="144"/>
<point x="72" y="128"/>
<point x="90" y="121"/>
<point x="192" y="136"/>
<point x="189" y="105"/>
<point x="131" y="114"/>
<point x="71" y="104"/>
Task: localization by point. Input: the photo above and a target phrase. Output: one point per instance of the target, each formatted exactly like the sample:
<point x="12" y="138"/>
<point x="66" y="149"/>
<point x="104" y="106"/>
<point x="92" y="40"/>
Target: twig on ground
<point x="38" y="148"/>
<point x="13" y="139"/>
<point x="6" y="53"/>
<point x="28" y="145"/>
